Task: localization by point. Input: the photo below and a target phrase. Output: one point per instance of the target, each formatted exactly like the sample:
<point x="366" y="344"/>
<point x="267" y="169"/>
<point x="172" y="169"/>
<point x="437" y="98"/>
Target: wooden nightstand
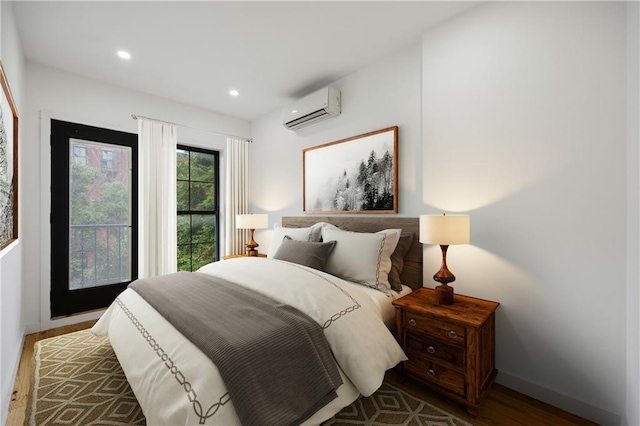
<point x="450" y="348"/>
<point x="233" y="256"/>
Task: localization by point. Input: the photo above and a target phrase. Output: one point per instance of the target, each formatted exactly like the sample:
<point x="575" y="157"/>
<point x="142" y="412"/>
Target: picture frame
<point x="8" y="164"/>
<point x="356" y="175"/>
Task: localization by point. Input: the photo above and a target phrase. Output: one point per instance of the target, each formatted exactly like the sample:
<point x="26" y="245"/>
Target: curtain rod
<point x="136" y="116"/>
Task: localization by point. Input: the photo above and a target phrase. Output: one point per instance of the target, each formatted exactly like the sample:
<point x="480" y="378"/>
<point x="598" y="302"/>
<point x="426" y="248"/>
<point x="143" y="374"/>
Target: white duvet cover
<point x="383" y="302"/>
<point x="176" y="384"/>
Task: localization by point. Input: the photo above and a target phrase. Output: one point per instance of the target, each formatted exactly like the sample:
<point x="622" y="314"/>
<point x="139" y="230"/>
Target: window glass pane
<point x="203" y="228"/>
<point x="99" y="214"/>
<point x="184" y="257"/>
<point x="202" y="196"/>
<point x="203" y="254"/>
<point x="79" y="153"/>
<point x="182" y="191"/>
<point x="107" y="159"/>
<point x="197" y="206"/>
<point x="184" y="229"/>
<point x="202" y="167"/>
<point x="114" y="255"/>
<point x="182" y="164"/>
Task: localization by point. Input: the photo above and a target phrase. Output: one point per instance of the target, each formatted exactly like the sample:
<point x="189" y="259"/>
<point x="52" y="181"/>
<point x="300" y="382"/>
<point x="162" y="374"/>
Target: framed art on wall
<point x="354" y="175"/>
<point x="8" y="164"/>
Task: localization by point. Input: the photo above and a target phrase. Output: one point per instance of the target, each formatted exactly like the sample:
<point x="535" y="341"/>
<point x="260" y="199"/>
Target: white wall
<point x="11" y="324"/>
<point x="524" y="112"/>
<point x="382" y="95"/>
<point x="515" y="113"/>
<point x="633" y="213"/>
<point x="12" y="330"/>
<point x="60" y="95"/>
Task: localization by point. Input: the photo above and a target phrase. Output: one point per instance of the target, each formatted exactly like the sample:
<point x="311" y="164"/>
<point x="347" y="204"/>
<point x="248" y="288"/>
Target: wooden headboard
<point x="412" y="271"/>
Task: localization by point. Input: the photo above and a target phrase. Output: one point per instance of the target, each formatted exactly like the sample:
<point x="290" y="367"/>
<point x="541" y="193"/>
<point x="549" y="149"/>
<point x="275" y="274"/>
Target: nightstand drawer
<point x="449" y="332"/>
<point x="432" y="348"/>
<point x="436" y="373"/>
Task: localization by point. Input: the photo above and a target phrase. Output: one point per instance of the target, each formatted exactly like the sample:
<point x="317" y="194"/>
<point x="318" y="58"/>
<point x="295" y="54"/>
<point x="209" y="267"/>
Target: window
<point x="94" y="237"/>
<point x="198" y="207"/>
<point x="80" y="154"/>
<point x="107" y="159"/>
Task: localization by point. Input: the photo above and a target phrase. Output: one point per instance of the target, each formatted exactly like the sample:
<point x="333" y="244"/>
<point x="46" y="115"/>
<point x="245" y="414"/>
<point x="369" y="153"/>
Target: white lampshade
<point x="252" y="221"/>
<point x="444" y="229"/>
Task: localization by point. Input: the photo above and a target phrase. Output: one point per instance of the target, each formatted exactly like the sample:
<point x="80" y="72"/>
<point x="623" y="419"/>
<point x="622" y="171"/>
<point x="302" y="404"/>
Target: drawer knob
<point x="412" y="322"/>
<point x="431" y="372"/>
<point x="453" y="334"/>
<point x="431" y="350"/>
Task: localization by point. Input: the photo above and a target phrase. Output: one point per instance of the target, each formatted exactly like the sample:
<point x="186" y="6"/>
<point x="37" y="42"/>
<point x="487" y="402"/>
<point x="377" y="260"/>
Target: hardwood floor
<point x="502" y="406"/>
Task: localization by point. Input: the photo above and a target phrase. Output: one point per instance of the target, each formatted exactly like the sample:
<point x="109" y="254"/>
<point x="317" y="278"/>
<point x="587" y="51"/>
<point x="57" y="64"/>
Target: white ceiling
<point x="194" y="52"/>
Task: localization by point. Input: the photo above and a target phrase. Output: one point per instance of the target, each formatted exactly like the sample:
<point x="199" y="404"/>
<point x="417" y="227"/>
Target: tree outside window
<point x="198" y="207"/>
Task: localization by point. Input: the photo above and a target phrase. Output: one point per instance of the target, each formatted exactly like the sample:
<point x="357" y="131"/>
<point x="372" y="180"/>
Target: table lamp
<point x="444" y="230"/>
<point x="252" y="222"/>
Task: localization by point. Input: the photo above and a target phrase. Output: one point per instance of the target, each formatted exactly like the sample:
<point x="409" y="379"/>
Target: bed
<point x="176" y="383"/>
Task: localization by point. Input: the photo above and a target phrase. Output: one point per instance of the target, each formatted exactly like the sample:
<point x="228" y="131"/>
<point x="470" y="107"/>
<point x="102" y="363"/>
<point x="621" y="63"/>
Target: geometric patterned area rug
<point x="392" y="406"/>
<point x="78" y="381"/>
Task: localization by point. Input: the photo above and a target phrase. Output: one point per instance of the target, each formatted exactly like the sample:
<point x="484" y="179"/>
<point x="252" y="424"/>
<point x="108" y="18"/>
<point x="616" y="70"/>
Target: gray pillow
<point x="397" y="260"/>
<point x="311" y="254"/>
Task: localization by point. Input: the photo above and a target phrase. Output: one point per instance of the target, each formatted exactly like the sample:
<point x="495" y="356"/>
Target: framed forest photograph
<point x="8" y="164"/>
<point x="354" y="175"/>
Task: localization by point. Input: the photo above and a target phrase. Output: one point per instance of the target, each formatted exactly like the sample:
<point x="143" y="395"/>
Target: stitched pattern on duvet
<point x="173" y="368"/>
<point x="337" y="315"/>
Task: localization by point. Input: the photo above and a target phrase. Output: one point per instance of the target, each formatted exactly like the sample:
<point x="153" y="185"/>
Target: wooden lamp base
<point x="444" y="295"/>
<point x="251" y="246"/>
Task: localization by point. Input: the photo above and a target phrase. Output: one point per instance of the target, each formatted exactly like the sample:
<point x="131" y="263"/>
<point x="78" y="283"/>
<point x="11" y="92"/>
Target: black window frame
<point x="65" y="301"/>
<point x="216" y="209"/>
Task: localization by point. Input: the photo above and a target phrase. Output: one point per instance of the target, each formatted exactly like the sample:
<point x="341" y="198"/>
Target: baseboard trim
<point x="34" y="327"/>
<point x="72" y="319"/>
<point x="559" y="400"/>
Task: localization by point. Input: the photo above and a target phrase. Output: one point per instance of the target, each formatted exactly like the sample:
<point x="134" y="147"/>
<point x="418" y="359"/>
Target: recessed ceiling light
<point x="234" y="92"/>
<point x="124" y="54"/>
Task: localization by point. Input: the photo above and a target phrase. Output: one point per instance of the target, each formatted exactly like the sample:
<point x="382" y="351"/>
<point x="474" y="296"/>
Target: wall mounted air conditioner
<point x="319" y="105"/>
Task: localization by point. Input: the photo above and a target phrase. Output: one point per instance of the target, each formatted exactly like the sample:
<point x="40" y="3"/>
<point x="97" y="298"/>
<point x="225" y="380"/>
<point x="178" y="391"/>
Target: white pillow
<point x="320" y="226"/>
<point x="298" y="234"/>
<point x="361" y="257"/>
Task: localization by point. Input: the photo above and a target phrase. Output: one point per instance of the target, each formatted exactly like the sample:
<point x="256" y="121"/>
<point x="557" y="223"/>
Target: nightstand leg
<point x="473" y="411"/>
<point x="400" y="376"/>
